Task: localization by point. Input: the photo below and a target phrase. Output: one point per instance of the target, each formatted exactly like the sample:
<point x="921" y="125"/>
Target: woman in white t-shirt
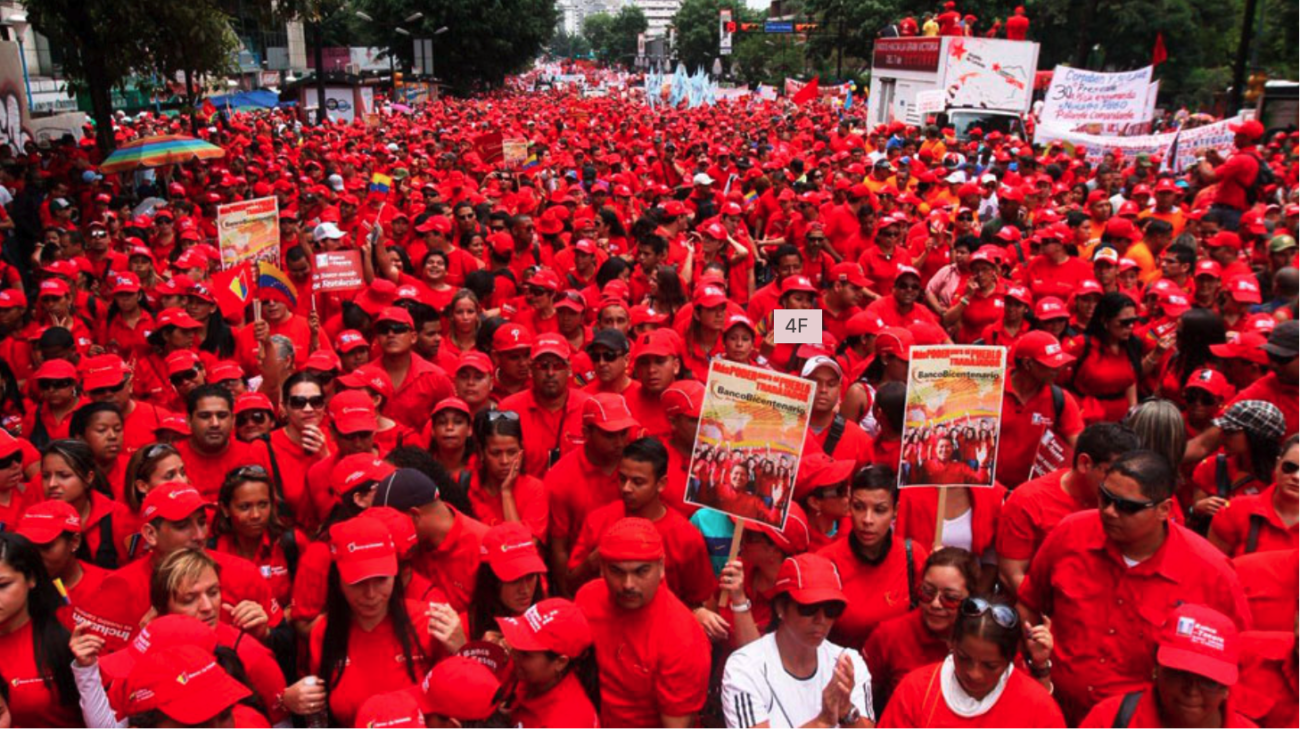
<point x="792" y="677"/>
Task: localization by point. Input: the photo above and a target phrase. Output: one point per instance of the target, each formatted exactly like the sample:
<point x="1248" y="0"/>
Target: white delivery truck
<point x="966" y="82"/>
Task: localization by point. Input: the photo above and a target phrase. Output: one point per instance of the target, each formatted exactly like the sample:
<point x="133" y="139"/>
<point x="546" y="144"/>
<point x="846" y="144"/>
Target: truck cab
<point x="963" y="120"/>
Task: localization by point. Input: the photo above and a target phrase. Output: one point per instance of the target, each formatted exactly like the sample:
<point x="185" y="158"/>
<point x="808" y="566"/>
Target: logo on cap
<point x="536" y="620"/>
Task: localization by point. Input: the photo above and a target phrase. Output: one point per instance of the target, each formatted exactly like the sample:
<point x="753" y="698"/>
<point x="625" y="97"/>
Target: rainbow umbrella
<point x="160" y="151"/>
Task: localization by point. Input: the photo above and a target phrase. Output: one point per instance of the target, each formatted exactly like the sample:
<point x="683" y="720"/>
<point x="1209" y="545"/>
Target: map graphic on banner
<point x="953" y="415"/>
<point x="990" y="73"/>
<point x="746" y="454"/>
<point x="249" y="231"/>
<point x="1084" y="100"/>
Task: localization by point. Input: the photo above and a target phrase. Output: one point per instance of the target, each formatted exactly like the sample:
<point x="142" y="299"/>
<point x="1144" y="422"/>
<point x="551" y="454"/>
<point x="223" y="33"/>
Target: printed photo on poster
<point x="249" y="231"/>
<point x="954" y="411"/>
<point x="746" y="454"/>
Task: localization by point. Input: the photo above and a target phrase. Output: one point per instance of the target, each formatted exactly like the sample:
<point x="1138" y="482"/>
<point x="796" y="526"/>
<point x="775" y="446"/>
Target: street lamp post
<point x="20" y="26"/>
<point x="432" y="70"/>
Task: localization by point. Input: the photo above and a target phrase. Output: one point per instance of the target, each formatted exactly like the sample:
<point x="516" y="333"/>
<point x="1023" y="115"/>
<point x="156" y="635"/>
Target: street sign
<point x="725" y="26"/>
<point x="778" y="26"/>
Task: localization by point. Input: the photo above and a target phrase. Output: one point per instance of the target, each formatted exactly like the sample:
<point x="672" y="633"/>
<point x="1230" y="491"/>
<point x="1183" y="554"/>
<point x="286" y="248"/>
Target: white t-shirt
<point x="756" y="687"/>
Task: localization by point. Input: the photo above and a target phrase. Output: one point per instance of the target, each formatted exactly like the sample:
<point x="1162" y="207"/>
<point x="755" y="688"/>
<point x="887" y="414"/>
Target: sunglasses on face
<point x="392" y="328"/>
<point x="1004" y="616"/>
<point x="1127" y="322"/>
<point x="11" y="460"/>
<point x="536" y="291"/>
<point x="1122" y="504"/>
<point x="252" y="417"/>
<point x="550" y="366"/>
<point x="1290" y="468"/>
<point x="298" y="403"/>
<point x="106" y="390"/>
<point x="908" y="286"/>
<point x="56" y="384"/>
<point x="99" y="235"/>
<point x="832" y="610"/>
<point x="928" y="593"/>
<point x="604" y="356"/>
<point x="183" y="377"/>
<point x="817" y="239"/>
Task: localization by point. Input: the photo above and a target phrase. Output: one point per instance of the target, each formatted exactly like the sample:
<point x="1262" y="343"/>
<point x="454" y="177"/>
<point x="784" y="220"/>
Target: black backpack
<point x="1264" y="178"/>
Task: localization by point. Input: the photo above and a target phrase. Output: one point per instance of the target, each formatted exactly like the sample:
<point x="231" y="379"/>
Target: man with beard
<point x="550" y="410"/>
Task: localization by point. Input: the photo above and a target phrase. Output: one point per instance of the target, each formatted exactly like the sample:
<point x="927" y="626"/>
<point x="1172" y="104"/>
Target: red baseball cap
<point x="1121" y="228"/>
<point x="12" y="298"/>
<point x="476" y="688"/>
<point x="1042" y="347"/>
<point x="362" y="548"/>
<point x="1050" y="308"/>
<point x="798" y="283"/>
<point x="1208" y="268"/>
<point x="372" y="377"/>
<point x="631" y="539"/>
<point x="1020" y="294"/>
<point x="183" y="682"/>
<point x="176" y="317"/>
<point x="1252" y="129"/>
<point x="355" y="470"/>
<point x="738" y="319"/>
<point x="350" y="340"/>
<point x="809" y="579"/>
<point x="864" y="323"/>
<point x="1175" y="303"/>
<point x="820" y="470"/>
<point x="47" y="520"/>
<point x="545" y="278"/>
<point x="395" y="314"/>
<point x="452" y="403"/>
<point x="656" y="342"/>
<point x="551" y="625"/>
<point x="102" y="371"/>
<point x="509" y="550"/>
<point x="1210" y="381"/>
<point x="173" y="422"/>
<point x="1248" y="346"/>
<point x="252" y="401"/>
<point x="225" y="371"/>
<point x="180" y="361"/>
<point x="550" y="344"/>
<point x="353" y="411"/>
<point x="323" y="360"/>
<point x="1224" y="238"/>
<point x="54" y="288"/>
<point x="125" y="283"/>
<point x="793" y="538"/>
<point x="571" y="299"/>
<point x="476" y="360"/>
<point x="1244" y="290"/>
<point x="896" y="341"/>
<point x="608" y="412"/>
<point x="169" y="630"/>
<point x="395" y="709"/>
<point x="851" y="272"/>
<point x="172" y="501"/>
<point x="683" y="397"/>
<point x="511" y="336"/>
<point x="1201" y="641"/>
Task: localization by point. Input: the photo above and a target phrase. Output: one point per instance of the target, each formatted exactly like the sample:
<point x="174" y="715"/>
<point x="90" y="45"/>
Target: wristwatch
<point x="742" y="607"/>
<point x="1041" y="672"/>
<point x="850" y="718"/>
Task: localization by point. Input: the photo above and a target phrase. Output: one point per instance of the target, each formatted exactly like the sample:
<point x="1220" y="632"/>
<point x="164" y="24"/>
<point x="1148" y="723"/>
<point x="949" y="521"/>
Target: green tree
<point x="192" y="41"/>
<point x="596" y="30"/>
<point x="564" y="45"/>
<point x="696" y="22"/>
<point x="613" y="37"/>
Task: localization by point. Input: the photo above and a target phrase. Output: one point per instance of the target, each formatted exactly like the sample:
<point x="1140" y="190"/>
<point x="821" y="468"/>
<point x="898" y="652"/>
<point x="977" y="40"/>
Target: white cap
<point x="703" y="179"/>
<point x="988" y="178"/>
<point x="336" y="182"/>
<point x="327" y="230"/>
<point x="957" y="177"/>
<point x="817" y="361"/>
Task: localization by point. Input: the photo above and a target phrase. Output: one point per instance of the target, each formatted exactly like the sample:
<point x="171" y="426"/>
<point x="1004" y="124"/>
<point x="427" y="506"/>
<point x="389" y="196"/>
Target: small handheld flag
<point x="381" y="184"/>
<point x="271" y="280"/>
<point x="58" y="586"/>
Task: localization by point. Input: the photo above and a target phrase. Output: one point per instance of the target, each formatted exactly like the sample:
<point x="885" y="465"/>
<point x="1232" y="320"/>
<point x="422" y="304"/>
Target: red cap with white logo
<point x="362" y="548"/>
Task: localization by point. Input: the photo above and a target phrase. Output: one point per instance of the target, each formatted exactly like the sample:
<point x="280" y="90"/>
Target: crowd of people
<point x="458" y="495"/>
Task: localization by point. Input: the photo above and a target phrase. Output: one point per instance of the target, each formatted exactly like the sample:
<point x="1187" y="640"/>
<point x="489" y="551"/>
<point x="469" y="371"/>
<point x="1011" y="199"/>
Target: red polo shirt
<point x="649" y="412"/>
<point x="565" y="705"/>
<point x="897" y="647"/>
<point x="1032" y="511"/>
<point x="530" y="500"/>
<point x="919" y="703"/>
<point x="1023" y="425"/>
<point x="1232" y="524"/>
<point x="310" y="583"/>
<point x="1271" y="581"/>
<point x="918" y="508"/>
<point x="643" y="677"/>
<point x="33" y="703"/>
<point x="876" y="592"/>
<point x="1106" y="615"/>
<point x="1285" y="396"/>
<point x="208" y="471"/>
<point x="140" y="427"/>
<point x="687" y="570"/>
<point x="271" y="562"/>
<point x="881" y="269"/>
<point x="425" y="385"/>
<point x="1266" y="689"/>
<point x="452" y="565"/>
<point x="886" y="308"/>
<point x="545" y="430"/>
<point x="1047" y="279"/>
<point x="1147" y="713"/>
<point x="854" y="444"/>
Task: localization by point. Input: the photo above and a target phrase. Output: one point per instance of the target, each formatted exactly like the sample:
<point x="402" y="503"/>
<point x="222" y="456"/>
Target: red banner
<point x="906" y="54"/>
<point x="338" y="271"/>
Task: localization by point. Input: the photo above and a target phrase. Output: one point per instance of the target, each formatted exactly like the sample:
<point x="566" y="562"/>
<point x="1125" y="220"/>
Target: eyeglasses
<point x="908" y="287"/>
<point x="392" y="328"/>
<point x="1127" y="322"/>
<point x="55" y="384"/>
<point x="11" y="460"/>
<point x="1289" y="467"/>
<point x="99" y="235"/>
<point x="1122" y="504"/>
<point x="1198" y="396"/>
<point x="183" y="377"/>
<point x="604" y="356"/>
<point x="928" y="593"/>
<point x="466" y="217"/>
<point x="252" y="417"/>
<point x="832" y="610"/>
<point x="817" y="239"/>
<point x="536" y="291"/>
<point x="106" y="390"/>
<point x="494" y="416"/>
<point x="1004" y="616"/>
<point x="298" y="403"/>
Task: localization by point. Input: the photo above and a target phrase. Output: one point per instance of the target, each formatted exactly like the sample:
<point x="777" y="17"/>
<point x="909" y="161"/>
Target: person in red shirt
<point x="550" y="411"/>
<point x="881" y="259"/>
<point x="899" y="308"/>
<point x="643" y="474"/>
<point x="1196" y="668"/>
<point x="1266" y="521"/>
<point x="900" y="645"/>
<point x="185" y="686"/>
<point x="16" y="492"/>
<point x="828" y="430"/>
<point x="498" y="490"/>
<point x="1270" y="580"/>
<point x="1036" y="507"/>
<point x="1054" y="273"/>
<point x="248" y="524"/>
<point x="878" y="566"/>
<point x="1107" y="579"/>
<point x="375" y="639"/>
<point x="644" y="681"/>
<point x="1235" y="175"/>
<point x="1251" y="432"/>
<point x="56" y="384"/>
<point x="126" y="325"/>
<point x="417" y="384"/>
<point x="1032" y="406"/>
<point x="209" y="453"/>
<point x="54" y="527"/>
<point x="1225" y="249"/>
<point x="300" y="444"/>
<point x="1266" y="690"/>
<point x="550" y="649"/>
<point x="106" y="378"/>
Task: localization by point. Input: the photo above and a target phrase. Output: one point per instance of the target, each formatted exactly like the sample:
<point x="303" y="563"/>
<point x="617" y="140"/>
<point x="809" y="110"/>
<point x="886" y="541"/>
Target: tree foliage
<point x="565" y="45"/>
<point x="613" y="37"/>
<point x="696" y="22"/>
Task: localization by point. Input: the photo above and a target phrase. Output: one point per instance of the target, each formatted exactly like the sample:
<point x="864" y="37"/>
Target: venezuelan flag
<point x="269" y="277"/>
<point x="531" y="161"/>
<point x="751" y="196"/>
<point x="381" y="183"/>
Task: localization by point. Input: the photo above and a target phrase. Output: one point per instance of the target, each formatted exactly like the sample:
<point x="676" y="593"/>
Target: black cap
<point x="1284" y="341"/>
<point x="613" y="339"/>
<point x="405" y="489"/>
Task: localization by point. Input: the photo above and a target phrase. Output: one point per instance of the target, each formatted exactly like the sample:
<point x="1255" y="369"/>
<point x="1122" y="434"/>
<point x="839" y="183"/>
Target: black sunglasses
<point x="392" y="328"/>
<point x="184" y="376"/>
<point x="1128" y="322"/>
<point x="832" y="610"/>
<point x="106" y="390"/>
<point x="536" y="291"/>
<point x="604" y="356"/>
<point x="11" y="460"/>
<point x="1004" y="616"/>
<point x="1289" y="467"/>
<point x="298" y="403"/>
<point x="254" y="417"/>
<point x="1123" y="504"/>
<point x="55" y="384"/>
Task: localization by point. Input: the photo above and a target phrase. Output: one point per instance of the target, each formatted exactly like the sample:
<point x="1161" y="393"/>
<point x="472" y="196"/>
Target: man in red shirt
<point x="1036" y="507"/>
<point x="656" y="363"/>
<point x="1270" y="580"/>
<point x="682" y="404"/>
<point x="645" y="681"/>
<point x="1224" y="248"/>
<point x="417" y="383"/>
<point x="828" y="431"/>
<point x="436" y="231"/>
<point x="899" y="307"/>
<point x="1107" y="580"/>
<point x="550" y="411"/>
<point x="1032" y="406"/>
<point x="210" y="453"/>
<point x="1235" y="175"/>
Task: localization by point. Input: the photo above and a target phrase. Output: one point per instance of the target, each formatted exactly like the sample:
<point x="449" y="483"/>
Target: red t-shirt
<point x="1285" y="396"/>
<point x="240" y="581"/>
<point x="1023" y="426"/>
<point x="140" y="427"/>
<point x="897" y="647"/>
<point x="564" y="706"/>
<point x="1235" y="175"/>
<point x="452" y="565"/>
<point x="271" y="562"/>
<point x="1266" y="687"/>
<point x="876" y="592"/>
<point x="881" y="269"/>
<point x="983" y="311"/>
<point x="854" y="444"/>
<point x="546" y="430"/>
<point x="208" y="471"/>
<point x="20" y="498"/>
<point x="1271" y="581"/>
<point x="918" y="703"/>
<point x="1147" y="714"/>
<point x="530" y="500"/>
<point x="294" y="462"/>
<point x="887" y="309"/>
<point x="413" y="400"/>
<point x="642" y="676"/>
<point x="1232" y="524"/>
<point x="1032" y="511"/>
<point x="32" y="703"/>
<point x="574" y="488"/>
<point x="1048" y="279"/>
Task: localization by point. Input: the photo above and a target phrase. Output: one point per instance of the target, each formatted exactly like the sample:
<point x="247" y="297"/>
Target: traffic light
<point x="730" y="26"/>
<point x="1255" y="86"/>
<point x="397" y="78"/>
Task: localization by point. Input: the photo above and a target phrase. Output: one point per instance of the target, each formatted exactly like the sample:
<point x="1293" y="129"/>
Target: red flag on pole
<point x="1158" y="54"/>
<point x="807" y="93"/>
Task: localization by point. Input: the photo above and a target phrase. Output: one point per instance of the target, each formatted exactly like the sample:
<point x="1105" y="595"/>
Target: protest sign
<point x="1052" y="455"/>
<point x="1079" y="98"/>
<point x="931" y="102"/>
<point x="514" y="152"/>
<point x="249" y="231"/>
<point x="954" y="410"/>
<point x="746" y="454"/>
<point x="1178" y="149"/>
<point x="338" y="271"/>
